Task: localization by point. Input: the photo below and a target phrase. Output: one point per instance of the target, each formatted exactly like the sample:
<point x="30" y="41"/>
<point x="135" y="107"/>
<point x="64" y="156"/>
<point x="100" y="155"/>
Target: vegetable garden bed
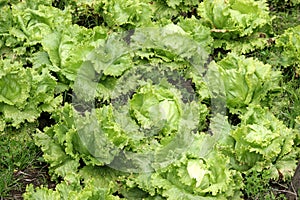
<point x="149" y="99"/>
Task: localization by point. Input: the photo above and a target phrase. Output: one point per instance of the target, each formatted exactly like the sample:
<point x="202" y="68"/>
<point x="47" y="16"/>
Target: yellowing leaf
<point x="196" y="171"/>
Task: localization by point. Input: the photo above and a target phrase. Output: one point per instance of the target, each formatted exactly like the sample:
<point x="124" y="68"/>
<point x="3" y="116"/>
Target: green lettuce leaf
<point x="238" y="25"/>
<point x="15" y="84"/>
<point x="152" y="105"/>
<point x="133" y="13"/>
<point x="289" y="42"/>
<point x="193" y="177"/>
<point x="246" y="81"/>
<point x="262" y="141"/>
<point x="26" y="93"/>
<point x="95" y="185"/>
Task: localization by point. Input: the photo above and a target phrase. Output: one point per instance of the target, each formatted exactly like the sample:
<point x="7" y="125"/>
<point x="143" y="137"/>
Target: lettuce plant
<point x="139" y="109"/>
<point x="238" y="25"/>
<point x="289" y="42"/>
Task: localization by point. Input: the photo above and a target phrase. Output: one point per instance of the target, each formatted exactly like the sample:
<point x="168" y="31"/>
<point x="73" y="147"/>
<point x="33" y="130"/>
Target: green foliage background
<point x="44" y="44"/>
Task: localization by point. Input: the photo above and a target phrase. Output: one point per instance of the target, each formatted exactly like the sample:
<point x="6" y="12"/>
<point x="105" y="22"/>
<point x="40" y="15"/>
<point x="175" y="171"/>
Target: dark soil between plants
<point x="37" y="176"/>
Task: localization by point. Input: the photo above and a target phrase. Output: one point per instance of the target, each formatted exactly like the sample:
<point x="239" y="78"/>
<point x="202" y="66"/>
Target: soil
<point x="33" y="175"/>
<point x="295" y="185"/>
